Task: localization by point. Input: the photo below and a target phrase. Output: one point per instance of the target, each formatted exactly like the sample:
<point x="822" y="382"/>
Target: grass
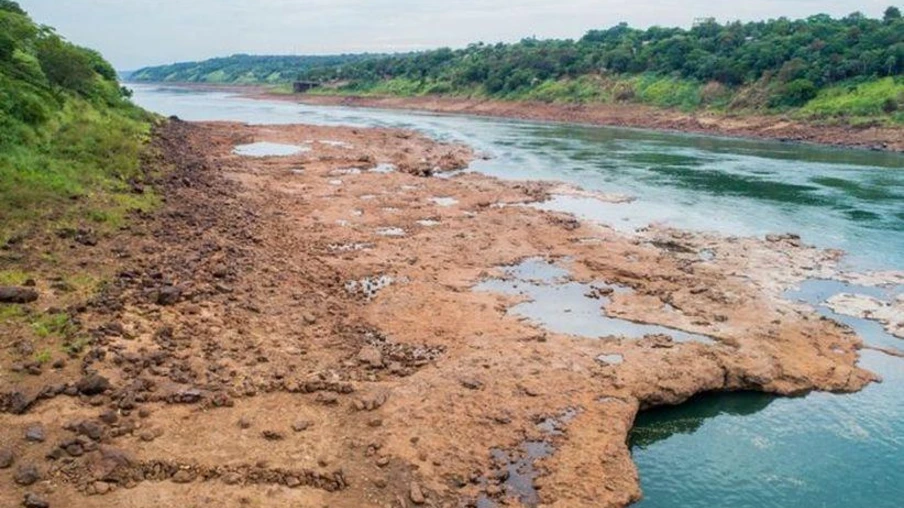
<point x="14" y="277"/>
<point x="860" y="101"/>
<point x="79" y="168"/>
<point x="57" y="325"/>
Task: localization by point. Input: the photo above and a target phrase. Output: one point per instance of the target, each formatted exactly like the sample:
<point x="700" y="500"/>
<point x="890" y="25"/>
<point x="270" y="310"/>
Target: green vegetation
<point x="58" y="325"/>
<point x="242" y="69"/>
<point x="818" y="67"/>
<point x="70" y="139"/>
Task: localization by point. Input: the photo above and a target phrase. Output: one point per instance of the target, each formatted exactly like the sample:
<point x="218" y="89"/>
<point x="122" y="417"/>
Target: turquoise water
<point x="740" y="450"/>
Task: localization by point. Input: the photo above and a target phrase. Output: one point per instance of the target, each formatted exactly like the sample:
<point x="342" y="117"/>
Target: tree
<point x="892" y="14"/>
<point x="10" y="6"/>
<point x="64" y="65"/>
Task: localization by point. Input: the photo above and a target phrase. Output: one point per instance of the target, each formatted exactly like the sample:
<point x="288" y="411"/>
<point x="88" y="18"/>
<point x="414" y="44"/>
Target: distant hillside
<point x="851" y="66"/>
<point x="820" y="67"/>
<point x="243" y="69"/>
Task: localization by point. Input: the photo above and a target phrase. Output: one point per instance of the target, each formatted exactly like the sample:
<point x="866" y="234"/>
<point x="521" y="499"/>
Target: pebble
<point x="183" y="476"/>
<point x="27" y="475"/>
<point x="93" y="384"/>
<point x="6" y="458"/>
<point x="35" y="434"/>
<point x="370" y="356"/>
<point x="301" y="425"/>
<point x="34" y="501"/>
<point x="102" y="488"/>
<point x="328" y="398"/>
<point x="416" y="494"/>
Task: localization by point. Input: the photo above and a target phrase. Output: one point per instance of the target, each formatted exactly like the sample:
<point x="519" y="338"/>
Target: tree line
<point x="798" y="56"/>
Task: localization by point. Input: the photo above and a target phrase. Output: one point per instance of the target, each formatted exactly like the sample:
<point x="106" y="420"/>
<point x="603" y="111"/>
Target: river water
<point x="739" y="450"/>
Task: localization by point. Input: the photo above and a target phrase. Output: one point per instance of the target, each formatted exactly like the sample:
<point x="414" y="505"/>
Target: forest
<point x="243" y="69"/>
<point x="819" y="66"/>
<point x="68" y="133"/>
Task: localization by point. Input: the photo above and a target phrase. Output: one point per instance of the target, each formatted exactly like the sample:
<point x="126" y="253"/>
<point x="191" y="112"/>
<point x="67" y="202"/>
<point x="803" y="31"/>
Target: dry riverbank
<point x="303" y="331"/>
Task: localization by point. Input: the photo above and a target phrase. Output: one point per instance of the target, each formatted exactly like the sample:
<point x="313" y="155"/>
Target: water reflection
<point x="662" y="423"/>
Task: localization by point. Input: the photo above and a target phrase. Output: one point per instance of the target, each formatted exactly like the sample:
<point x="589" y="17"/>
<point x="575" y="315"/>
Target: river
<point x="821" y="450"/>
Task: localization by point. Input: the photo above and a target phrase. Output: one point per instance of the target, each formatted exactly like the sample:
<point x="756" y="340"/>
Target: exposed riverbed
<point x="755" y="450"/>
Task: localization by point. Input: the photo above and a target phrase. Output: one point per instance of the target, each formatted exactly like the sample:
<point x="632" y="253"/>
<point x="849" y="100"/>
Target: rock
<point x="183" y="476"/>
<point x="34" y="501"/>
<point x="9" y="294"/>
<point x="92" y="429"/>
<point x="6" y="458"/>
<point x="110" y="464"/>
<point x="27" y="474"/>
<point x="147" y="436"/>
<point x="169" y="295"/>
<point x="19" y="402"/>
<point x="35" y="434"/>
<point x="244" y="423"/>
<point x="272" y="435"/>
<point x="109" y="417"/>
<point x="383" y="461"/>
<point x="102" y="488"/>
<point x="416" y="494"/>
<point x="371" y="356"/>
<point x="301" y="425"/>
<point x="293" y="482"/>
<point x="93" y="384"/>
<point x="189" y="396"/>
<point x="232" y="478"/>
<point x="328" y="398"/>
<point x="309" y="318"/>
<point x="472" y="384"/>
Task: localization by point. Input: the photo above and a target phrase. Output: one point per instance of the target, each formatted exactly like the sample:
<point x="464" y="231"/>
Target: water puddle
<point x="350" y="247"/>
<point x="518" y="473"/>
<point x="607" y="360"/>
<point x="267" y="149"/>
<point x="446" y="175"/>
<point x="337" y="144"/>
<point x="392" y="232"/>
<point x="369" y="286"/>
<point x="818" y="292"/>
<point x="383" y="168"/>
<point x="444" y="201"/>
<point x="345" y="171"/>
<point x="569" y="307"/>
<point x="555" y="425"/>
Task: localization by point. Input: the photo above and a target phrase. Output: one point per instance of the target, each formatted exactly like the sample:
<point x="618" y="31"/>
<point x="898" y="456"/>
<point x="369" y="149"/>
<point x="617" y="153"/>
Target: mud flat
<point x="263" y="339"/>
<point x="883" y="138"/>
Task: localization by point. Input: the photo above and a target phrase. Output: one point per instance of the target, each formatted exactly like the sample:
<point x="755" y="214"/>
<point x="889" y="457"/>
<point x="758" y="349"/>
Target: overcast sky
<point x="135" y="33"/>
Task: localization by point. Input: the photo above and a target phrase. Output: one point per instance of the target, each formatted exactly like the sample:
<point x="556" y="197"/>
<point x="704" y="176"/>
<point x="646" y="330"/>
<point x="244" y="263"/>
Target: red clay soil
<point x="234" y="357"/>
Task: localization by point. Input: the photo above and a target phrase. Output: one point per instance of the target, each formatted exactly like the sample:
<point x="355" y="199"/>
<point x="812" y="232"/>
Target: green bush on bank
<point x="868" y="98"/>
<point x="68" y="133"/>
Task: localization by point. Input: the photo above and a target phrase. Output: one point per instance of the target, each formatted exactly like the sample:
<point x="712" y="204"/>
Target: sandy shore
<point x="304" y="331"/>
